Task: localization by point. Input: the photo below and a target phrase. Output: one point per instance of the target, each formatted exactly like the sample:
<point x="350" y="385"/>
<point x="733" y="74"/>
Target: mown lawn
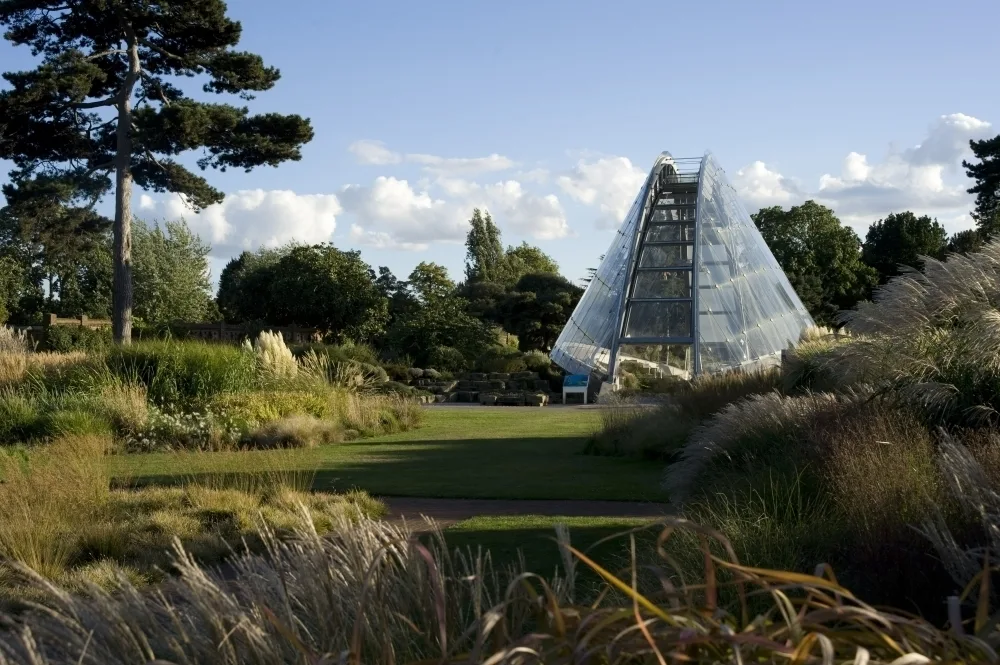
<point x="499" y="453"/>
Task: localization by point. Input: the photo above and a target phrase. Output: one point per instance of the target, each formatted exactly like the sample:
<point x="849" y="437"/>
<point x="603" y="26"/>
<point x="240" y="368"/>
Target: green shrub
<point x="446" y="358"/>
<point x="183" y="373"/>
<point x="63" y="339"/>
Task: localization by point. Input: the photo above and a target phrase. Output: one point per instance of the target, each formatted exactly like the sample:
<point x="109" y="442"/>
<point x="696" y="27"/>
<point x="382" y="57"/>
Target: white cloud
<point x="374" y="153"/>
<point x="393" y="214"/>
<point x="925" y="179"/>
<point x="760" y="187"/>
<point x="253" y="218"/>
<point x="370" y="152"/>
<point x="610" y="183"/>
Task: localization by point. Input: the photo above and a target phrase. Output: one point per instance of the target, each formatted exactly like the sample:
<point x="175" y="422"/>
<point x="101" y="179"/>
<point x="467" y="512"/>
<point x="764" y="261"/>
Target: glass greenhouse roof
<point x="688" y="285"/>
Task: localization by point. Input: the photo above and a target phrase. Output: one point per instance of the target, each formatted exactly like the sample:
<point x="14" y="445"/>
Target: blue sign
<point x="576" y="380"/>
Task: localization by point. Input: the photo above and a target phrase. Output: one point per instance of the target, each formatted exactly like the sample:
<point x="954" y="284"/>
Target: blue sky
<point x="549" y="114"/>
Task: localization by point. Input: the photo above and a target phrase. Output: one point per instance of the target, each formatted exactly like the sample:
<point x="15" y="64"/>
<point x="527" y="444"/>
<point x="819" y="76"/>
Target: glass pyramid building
<point x="687" y="287"/>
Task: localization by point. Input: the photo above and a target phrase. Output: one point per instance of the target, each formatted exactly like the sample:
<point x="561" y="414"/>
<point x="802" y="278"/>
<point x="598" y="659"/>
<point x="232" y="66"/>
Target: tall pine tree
<point x="101" y="110"/>
<point x="987" y="188"/>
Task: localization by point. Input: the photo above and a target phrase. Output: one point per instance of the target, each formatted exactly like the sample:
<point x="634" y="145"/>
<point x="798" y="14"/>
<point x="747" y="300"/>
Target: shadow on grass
<point x="536" y="468"/>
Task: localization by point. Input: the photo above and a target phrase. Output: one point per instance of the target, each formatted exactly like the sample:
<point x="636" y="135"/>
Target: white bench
<point x="576" y="383"/>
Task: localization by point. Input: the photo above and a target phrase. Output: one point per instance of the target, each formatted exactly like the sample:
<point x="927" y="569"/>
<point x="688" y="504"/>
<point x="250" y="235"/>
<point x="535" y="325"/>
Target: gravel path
<point x="450" y="511"/>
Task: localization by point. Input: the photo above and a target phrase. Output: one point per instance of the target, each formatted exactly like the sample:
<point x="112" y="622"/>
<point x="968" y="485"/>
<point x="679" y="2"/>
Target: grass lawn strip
<point x="477" y="453"/>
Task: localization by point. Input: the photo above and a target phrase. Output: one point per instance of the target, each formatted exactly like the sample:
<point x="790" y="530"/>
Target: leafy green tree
<point x="987" y="188"/>
<point x="244" y="285"/>
<point x="401" y="300"/>
<point x="484" y="257"/>
<point x="899" y="240"/>
<point x="430" y="281"/>
<point x="527" y="259"/>
<point x="538" y="308"/>
<point x="821" y="257"/>
<point x="965" y="242"/>
<point x="103" y="111"/>
<point x="326" y="288"/>
<point x="484" y="299"/>
<point x="441" y="322"/>
<point x="171" y="274"/>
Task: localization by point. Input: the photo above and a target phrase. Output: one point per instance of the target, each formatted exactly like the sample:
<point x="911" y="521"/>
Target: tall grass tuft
<point x="275" y="360"/>
<point x="46" y="497"/>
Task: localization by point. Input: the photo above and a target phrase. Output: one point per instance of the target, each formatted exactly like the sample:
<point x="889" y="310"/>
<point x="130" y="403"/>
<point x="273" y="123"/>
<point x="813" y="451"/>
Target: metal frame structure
<point x="740" y="309"/>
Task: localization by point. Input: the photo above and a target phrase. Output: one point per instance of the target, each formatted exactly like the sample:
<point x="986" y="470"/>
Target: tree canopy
<point x="171" y="274"/>
<point x="104" y="101"/>
<point x="900" y="240"/>
<point x="821" y="257"/>
<point x="986" y="174"/>
<point x="309" y="285"/>
<point x="538" y="309"/>
<point x="484" y="257"/>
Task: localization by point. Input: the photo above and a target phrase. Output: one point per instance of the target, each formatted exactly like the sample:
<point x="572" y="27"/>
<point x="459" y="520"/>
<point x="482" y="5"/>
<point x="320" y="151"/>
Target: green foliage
<point x="964" y="242"/>
<point x="485" y="300"/>
<point x="821" y="257"/>
<point x="181" y="373"/>
<point x="317" y="285"/>
<point x="21" y="418"/>
<point x="484" y="258"/>
<point x="446" y="358"/>
<point x="63" y="339"/>
<point x="526" y="259"/>
<point x="986" y="174"/>
<point x="441" y="322"/>
<point x="243" y="285"/>
<point x="500" y="359"/>
<point x="430" y="281"/>
<point x="900" y="240"/>
<point x="538" y="309"/>
<point x="170" y="273"/>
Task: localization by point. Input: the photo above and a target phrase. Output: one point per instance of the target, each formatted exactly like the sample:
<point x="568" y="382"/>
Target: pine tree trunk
<point x="121" y="297"/>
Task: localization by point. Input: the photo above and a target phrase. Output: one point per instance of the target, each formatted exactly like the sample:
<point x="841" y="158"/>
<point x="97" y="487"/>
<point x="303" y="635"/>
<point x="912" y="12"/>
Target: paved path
<point x="450" y="511"/>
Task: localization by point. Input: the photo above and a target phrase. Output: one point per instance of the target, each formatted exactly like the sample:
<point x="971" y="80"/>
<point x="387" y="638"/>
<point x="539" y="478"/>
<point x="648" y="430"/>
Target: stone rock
<point x="481" y="385"/>
<point x="476" y="376"/>
<point x="440" y="398"/>
<point x="487" y="399"/>
<point x="448" y="386"/>
<point x="536" y="399"/>
<point x="496" y="384"/>
<point x="499" y="376"/>
<point x="524" y="376"/>
<point x="541" y="385"/>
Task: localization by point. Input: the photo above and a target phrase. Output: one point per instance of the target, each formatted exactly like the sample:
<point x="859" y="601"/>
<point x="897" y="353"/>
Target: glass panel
<point x="666" y="256"/>
<point x="666" y="284"/>
<point x="749" y="312"/>
<point x="659" y="319"/>
<point x="670" y="233"/>
<point x="673" y="215"/>
<point x="656" y="361"/>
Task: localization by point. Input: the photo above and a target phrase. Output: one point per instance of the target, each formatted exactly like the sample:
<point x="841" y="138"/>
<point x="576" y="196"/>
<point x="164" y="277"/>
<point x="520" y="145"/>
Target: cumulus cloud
<point x="759" y="186"/>
<point x="393" y="214"/>
<point x="370" y="152"/>
<point x="609" y="183"/>
<point x="253" y="218"/>
<point x="926" y="179"/>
